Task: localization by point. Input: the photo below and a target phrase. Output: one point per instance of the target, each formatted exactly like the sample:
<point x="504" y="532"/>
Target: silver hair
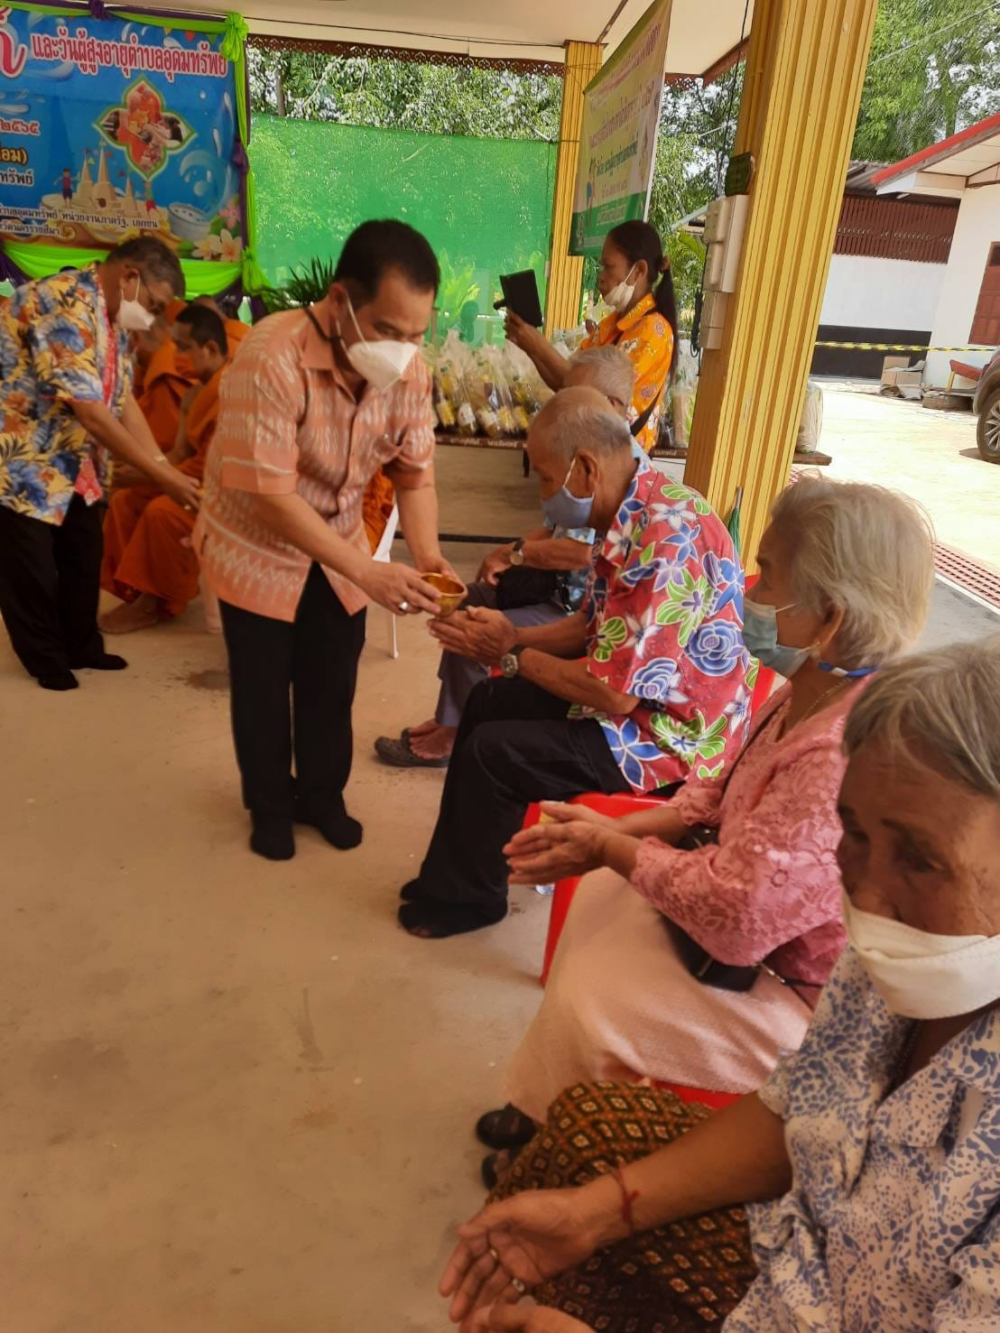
<point x="865" y="549"/>
<point x="586" y="427"/>
<point x="945" y="702"/>
<point x="609" y="370"/>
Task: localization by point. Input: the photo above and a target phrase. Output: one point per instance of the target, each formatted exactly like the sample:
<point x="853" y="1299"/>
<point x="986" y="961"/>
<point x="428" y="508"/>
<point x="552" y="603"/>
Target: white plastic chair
<point x="384" y="553"/>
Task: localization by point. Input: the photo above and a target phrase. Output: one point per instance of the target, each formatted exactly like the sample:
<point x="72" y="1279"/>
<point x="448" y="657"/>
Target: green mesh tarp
<point x="484" y="204"/>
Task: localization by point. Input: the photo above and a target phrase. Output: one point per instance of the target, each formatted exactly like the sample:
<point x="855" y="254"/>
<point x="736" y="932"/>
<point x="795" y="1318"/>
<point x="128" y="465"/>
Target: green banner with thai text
<point x="621" y="119"/>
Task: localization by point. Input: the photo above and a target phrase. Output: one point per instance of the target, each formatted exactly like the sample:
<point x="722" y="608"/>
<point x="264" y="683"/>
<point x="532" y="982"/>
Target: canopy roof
<point x="965" y="160"/>
<point x="511" y="29"/>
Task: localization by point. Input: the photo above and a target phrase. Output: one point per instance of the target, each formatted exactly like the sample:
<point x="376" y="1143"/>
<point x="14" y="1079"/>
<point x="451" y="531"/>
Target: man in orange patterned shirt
<point x="316" y="401"/>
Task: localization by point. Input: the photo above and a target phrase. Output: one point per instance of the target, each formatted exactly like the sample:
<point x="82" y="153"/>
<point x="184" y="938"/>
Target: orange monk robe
<point x="162" y="384"/>
<point x="376" y="508"/>
<point x="147" y="536"/>
<point x="236" y="331"/>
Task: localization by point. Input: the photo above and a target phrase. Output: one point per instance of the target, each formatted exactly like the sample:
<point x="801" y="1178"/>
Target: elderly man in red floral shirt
<point x="642" y="687"/>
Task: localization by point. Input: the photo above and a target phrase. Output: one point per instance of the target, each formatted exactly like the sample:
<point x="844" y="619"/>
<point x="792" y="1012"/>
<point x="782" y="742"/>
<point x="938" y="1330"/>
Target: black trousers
<point x="292" y="684"/>
<point x="50" y="582"/>
<point x="515" y="745"/>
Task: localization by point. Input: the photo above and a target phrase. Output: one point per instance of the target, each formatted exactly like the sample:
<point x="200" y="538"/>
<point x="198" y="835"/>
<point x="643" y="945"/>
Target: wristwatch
<point x="517" y="553"/>
<point x="510" y="663"/>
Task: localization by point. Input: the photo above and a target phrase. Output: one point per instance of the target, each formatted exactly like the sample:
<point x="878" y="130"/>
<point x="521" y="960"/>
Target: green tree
<point x="934" y="68"/>
<point x="402" y="94"/>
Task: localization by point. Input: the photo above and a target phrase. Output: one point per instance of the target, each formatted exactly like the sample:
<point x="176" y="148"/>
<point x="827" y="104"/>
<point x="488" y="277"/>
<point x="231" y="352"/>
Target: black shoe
<point x="272" y="837"/>
<point x="337" y="827"/>
<point x="410" y="892"/>
<point x="59" y="680"/>
<point x="100" y="662"/>
<point x="506" y="1128"/>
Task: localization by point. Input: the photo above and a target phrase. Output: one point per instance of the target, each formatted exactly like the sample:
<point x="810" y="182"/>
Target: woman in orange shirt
<point x="634" y="279"/>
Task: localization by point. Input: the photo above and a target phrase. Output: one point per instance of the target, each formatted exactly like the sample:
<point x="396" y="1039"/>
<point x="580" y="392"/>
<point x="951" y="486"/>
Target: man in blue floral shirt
<point x="66" y="387"/>
<point x="644" y="685"/>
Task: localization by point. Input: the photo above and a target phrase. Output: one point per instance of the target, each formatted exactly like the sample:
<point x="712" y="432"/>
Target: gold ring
<point x="494" y="1256"/>
<point x="519" y="1286"/>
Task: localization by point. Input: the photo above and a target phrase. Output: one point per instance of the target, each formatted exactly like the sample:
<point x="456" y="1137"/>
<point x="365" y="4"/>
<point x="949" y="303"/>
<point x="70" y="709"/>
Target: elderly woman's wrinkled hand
<point x="479" y="633"/>
<point x="571" y="843"/>
<point x="513" y="1246"/>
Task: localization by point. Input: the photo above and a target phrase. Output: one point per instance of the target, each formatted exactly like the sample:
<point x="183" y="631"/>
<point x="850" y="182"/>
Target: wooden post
<point x="805" y="71"/>
<point x="562" y="298"/>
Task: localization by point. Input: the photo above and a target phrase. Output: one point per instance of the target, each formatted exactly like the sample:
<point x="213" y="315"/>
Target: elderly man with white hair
<point x="538" y="579"/>
<point x="642" y="687"/>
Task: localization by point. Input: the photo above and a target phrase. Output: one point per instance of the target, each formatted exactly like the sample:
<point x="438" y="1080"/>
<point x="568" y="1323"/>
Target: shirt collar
<point x="317" y="350"/>
<point x="637" y="312"/>
<point x="633" y="501"/>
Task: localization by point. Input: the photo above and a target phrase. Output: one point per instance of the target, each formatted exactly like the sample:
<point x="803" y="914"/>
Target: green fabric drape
<point x="40" y="261"/>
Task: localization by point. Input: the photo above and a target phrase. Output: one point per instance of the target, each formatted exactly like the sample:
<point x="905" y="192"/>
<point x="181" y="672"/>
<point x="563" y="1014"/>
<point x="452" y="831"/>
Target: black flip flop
<point x="427" y="919"/>
<point x="398" y="752"/>
<point x="506" y="1128"/>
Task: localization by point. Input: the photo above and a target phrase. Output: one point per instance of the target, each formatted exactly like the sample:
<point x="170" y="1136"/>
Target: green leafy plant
<point x="304" y="286"/>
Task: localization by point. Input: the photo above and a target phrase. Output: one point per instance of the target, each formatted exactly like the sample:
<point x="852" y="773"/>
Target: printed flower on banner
<point x="230" y="247"/>
<point x="686" y="604"/>
<point x="658" y="680"/>
<point x="209" y="247"/>
<point x="629" y="750"/>
<point x="717" y="648"/>
<point x="727" y="580"/>
<point x="231" y="213"/>
<point x="691" y="740"/>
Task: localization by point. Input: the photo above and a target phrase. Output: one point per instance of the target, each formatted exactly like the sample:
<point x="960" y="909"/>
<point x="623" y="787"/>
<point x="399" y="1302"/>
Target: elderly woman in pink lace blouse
<point x="696" y="949"/>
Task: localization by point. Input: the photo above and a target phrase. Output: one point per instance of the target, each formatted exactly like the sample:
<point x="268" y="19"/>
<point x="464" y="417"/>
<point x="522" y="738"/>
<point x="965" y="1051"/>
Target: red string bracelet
<point x="628" y="1197"/>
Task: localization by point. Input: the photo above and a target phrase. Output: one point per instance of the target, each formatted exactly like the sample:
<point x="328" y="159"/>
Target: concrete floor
<point x="931" y="455"/>
<point x="235" y="1097"/>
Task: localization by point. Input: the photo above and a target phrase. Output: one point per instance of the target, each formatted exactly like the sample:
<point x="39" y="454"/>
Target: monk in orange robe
<point x="236" y="330"/>
<point x="149" y="561"/>
<point x="163" y="377"/>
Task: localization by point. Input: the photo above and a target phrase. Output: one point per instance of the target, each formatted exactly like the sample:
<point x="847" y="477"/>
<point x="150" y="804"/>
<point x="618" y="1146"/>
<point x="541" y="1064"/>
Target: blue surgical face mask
<point x="760" y="634"/>
<point x="566" y="510"/>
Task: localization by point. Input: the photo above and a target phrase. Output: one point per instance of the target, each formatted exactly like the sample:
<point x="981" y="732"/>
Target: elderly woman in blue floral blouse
<point x="871" y="1157"/>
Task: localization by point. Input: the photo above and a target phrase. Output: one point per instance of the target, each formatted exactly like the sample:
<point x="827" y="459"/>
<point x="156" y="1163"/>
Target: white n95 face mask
<point x="920" y="975"/>
<point x="133" y="315"/>
<point x="380" y="363"/>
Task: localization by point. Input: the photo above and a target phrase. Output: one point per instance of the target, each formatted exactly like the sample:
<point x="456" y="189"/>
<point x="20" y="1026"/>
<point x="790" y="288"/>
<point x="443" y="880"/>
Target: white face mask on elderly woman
<point x="920" y="975"/>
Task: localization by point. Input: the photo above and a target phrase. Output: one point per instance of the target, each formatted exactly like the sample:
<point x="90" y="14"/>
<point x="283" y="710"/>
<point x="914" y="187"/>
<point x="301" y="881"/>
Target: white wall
<point x="871" y="293"/>
<point x="978" y="225"/>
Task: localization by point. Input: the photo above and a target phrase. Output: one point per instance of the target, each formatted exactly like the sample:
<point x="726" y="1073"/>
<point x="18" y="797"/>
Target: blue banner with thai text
<point x="114" y="127"/>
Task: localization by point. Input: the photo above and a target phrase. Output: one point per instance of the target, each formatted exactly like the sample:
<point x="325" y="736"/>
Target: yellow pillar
<point x="804" y="74"/>
<point x="562" y="300"/>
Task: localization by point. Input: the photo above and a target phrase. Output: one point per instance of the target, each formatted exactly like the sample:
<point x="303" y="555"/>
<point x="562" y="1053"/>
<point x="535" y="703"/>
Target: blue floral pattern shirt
<point x="54" y="341"/>
<point x="665" y="623"/>
<point x="892" y="1224"/>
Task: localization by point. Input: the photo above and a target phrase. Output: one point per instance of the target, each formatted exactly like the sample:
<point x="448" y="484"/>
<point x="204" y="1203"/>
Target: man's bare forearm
<point x="418" y="516"/>
<point x="561" y="638"/>
<point x="573" y="682"/>
<point x="129" y="440"/>
<point x="556" y="553"/>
